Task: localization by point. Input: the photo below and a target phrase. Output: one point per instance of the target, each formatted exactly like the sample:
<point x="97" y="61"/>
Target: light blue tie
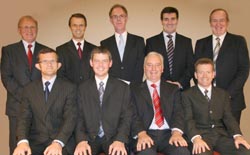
<point x="101" y="92"/>
<point x="121" y="46"/>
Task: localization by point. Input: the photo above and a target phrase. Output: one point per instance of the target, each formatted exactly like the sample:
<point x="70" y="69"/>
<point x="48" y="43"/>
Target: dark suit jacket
<point x="73" y="68"/>
<point x="115" y="114"/>
<point x="40" y="121"/>
<point x="15" y="73"/>
<point x="170" y="103"/>
<point x="232" y="65"/>
<point x="201" y="115"/>
<point x="131" y="68"/>
<point x="183" y="58"/>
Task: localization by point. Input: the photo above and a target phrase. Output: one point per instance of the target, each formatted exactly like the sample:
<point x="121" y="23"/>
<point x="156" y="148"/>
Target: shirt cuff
<point x="58" y="141"/>
<point x="237" y="135"/>
<point x="192" y="139"/>
<point x="176" y="129"/>
<point x="23" y="141"/>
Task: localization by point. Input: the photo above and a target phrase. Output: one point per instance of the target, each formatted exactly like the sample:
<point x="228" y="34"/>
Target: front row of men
<point x="108" y="109"/>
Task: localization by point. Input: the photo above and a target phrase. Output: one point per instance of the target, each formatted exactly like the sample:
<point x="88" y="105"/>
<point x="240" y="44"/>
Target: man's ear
<point x="37" y="65"/>
<point x="59" y="65"/>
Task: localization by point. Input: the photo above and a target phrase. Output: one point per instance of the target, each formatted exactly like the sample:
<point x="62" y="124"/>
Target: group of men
<point x="76" y="100"/>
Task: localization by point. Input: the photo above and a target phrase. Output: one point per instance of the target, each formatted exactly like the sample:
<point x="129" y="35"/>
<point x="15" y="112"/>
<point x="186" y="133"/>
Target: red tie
<point x="159" y="120"/>
<point x="29" y="55"/>
<point x="79" y="50"/>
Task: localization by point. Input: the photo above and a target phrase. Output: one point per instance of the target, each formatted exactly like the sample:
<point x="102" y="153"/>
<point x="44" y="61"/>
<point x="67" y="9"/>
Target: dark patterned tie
<point x="101" y="93"/>
<point x="159" y="120"/>
<point x="206" y="96"/>
<point x="79" y="50"/>
<point x="29" y="55"/>
<point x="170" y="53"/>
<point x="46" y="92"/>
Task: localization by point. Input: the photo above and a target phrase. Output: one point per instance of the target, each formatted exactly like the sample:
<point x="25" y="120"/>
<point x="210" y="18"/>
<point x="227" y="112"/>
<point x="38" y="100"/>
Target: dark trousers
<point x="161" y="144"/>
<point x="222" y="144"/>
<point x="12" y="133"/>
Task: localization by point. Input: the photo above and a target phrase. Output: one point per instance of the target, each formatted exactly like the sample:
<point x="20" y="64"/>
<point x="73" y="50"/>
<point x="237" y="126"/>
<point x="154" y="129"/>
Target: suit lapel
<point x="161" y="43"/>
<point x="108" y="89"/>
<point x="224" y="46"/>
<point x="21" y="49"/>
<point x="114" y="49"/>
<point x="166" y="100"/>
<point x="72" y="48"/>
<point x="129" y="45"/>
<point x="146" y="94"/>
<point x="40" y="97"/>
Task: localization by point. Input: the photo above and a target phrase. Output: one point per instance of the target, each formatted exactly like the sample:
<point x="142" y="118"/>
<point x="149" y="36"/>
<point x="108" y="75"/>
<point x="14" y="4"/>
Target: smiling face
<point x="27" y="28"/>
<point x="169" y="22"/>
<point x="204" y="74"/>
<point x="219" y="22"/>
<point x="77" y="27"/>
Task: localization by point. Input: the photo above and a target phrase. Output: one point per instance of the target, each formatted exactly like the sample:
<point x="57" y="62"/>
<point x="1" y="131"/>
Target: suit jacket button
<point x="210" y="111"/>
<point x="122" y="67"/>
<point x="212" y="126"/>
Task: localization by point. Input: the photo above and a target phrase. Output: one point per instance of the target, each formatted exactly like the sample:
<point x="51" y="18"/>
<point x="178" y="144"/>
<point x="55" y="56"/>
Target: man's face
<point x="218" y="23"/>
<point x="153" y="68"/>
<point x="204" y="75"/>
<point x="101" y="64"/>
<point x="48" y="64"/>
<point x="119" y="20"/>
<point x="77" y="27"/>
<point x="28" y="30"/>
<point x="169" y="22"/>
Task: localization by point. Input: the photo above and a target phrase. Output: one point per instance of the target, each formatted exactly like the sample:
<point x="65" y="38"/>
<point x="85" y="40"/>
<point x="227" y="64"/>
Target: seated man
<point x="159" y="125"/>
<point x="209" y="121"/>
<point x="48" y="111"/>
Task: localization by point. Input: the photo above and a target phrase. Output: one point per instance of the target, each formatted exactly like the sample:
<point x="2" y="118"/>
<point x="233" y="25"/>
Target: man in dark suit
<point x="105" y="110"/>
<point x="176" y="49"/>
<point x="159" y="125"/>
<point x="127" y="49"/>
<point x="75" y="54"/>
<point x="17" y="70"/>
<point x="209" y="121"/>
<point x="48" y="110"/>
<point x="230" y="55"/>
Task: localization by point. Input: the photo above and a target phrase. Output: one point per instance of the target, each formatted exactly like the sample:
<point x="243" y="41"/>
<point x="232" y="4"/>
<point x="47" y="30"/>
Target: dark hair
<point x="78" y="15"/>
<point x="45" y="51"/>
<point x="169" y="9"/>
<point x="27" y="17"/>
<point x="117" y="6"/>
<point x="203" y="61"/>
<point x="100" y="50"/>
<point x="219" y="9"/>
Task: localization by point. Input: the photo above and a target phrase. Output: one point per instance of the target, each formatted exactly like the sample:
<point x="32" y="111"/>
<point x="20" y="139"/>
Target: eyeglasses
<point x="116" y="17"/>
<point x="46" y="62"/>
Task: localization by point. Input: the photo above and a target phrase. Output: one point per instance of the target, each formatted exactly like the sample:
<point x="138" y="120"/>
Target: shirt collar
<point x="25" y="43"/>
<point x="51" y="81"/>
<point x="203" y="89"/>
<point x="75" y="42"/>
<point x="104" y="81"/>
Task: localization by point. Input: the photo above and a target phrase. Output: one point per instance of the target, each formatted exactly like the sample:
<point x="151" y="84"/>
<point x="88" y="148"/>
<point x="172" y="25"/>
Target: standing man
<point x="48" y="111"/>
<point x="230" y="55"/>
<point x="75" y="54"/>
<point x="176" y="49"/>
<point x="159" y="126"/>
<point x="105" y="111"/>
<point x="127" y="49"/>
<point x="18" y="69"/>
<point x="210" y="124"/>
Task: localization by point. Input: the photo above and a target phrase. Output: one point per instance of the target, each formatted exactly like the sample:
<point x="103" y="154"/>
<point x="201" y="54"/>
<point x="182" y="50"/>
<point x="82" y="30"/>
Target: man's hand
<point x="177" y="139"/>
<point x="199" y="146"/>
<point x="144" y="141"/>
<point x="83" y="148"/>
<point x="117" y="148"/>
<point x="240" y="140"/>
<point x="22" y="149"/>
<point x="53" y="149"/>
<point x="175" y="82"/>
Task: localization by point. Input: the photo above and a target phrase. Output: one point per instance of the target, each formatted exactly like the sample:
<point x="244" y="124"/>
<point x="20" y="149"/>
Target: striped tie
<point x="216" y="49"/>
<point x="159" y="120"/>
<point x="101" y="93"/>
<point x="170" y="52"/>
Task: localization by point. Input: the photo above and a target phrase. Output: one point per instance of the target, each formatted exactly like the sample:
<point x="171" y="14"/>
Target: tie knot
<point x="101" y="84"/>
<point x="47" y="83"/>
<point x="218" y="39"/>
<point x="169" y="36"/>
<point x="79" y="44"/>
<point x="153" y="85"/>
<point x="205" y="91"/>
<point x="29" y="46"/>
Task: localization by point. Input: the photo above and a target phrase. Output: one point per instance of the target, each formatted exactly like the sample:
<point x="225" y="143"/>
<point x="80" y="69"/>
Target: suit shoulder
<point x="155" y="37"/>
<point x="89" y="44"/>
<point x="62" y="45"/>
<point x="204" y="39"/>
<point x="41" y="45"/>
<point x="107" y="39"/>
<point x="183" y="37"/>
<point x="136" y="36"/>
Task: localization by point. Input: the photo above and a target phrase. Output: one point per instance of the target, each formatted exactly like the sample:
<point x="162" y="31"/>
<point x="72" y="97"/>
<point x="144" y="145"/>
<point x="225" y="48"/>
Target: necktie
<point x="46" y="92"/>
<point x="206" y="96"/>
<point x="79" y="50"/>
<point x="101" y="92"/>
<point x="170" y="52"/>
<point x="216" y="49"/>
<point x="29" y="55"/>
<point x="157" y="106"/>
<point x="121" y="47"/>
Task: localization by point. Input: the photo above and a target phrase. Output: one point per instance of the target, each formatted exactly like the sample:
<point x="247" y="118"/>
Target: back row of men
<point x="228" y="51"/>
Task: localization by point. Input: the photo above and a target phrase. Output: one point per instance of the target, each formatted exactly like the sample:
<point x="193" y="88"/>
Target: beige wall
<point x="143" y="20"/>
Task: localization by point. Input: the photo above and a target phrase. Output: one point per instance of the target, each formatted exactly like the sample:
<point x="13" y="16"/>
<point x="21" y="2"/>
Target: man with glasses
<point x="127" y="49"/>
<point x="18" y="69"/>
<point x="48" y="111"/>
